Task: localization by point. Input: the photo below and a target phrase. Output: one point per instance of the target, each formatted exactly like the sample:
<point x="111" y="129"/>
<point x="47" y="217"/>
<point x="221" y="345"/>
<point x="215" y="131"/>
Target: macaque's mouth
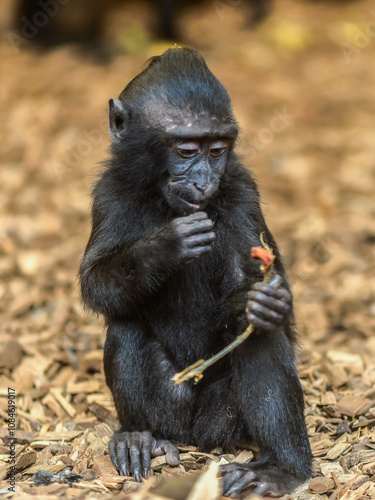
<point x="194" y="205"/>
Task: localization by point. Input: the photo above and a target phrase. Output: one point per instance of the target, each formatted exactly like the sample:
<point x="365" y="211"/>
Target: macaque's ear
<point x="117" y="119"/>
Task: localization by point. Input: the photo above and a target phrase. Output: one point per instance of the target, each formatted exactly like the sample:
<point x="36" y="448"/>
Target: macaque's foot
<point x="269" y="304"/>
<point x="263" y="479"/>
<point x="131" y="453"/>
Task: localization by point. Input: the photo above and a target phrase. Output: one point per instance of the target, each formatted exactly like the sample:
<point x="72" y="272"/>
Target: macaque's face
<point x="195" y="168"/>
<point x="195" y="147"/>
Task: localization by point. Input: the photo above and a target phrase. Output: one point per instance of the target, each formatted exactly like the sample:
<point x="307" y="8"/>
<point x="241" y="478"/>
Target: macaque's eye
<point x="218" y="148"/>
<point x="187" y="149"/>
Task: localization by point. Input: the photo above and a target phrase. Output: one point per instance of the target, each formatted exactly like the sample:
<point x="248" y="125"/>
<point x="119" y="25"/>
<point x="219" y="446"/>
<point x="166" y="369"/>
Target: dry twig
<point x="264" y="254"/>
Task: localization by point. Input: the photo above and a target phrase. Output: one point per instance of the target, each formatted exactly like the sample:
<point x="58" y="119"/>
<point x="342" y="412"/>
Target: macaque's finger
<point x="262" y="489"/>
<point x="276" y="281"/>
<point x="113" y="454"/>
<point x="164" y="447"/>
<point x="260" y="323"/>
<point x="194" y="217"/>
<point x="135" y="457"/>
<point x="280" y="293"/>
<point x="202" y="226"/>
<point x="200" y="239"/>
<point x="241" y="484"/>
<point x="118" y="451"/>
<point x="230" y="479"/>
<point x="147" y="445"/>
<point x="264" y="313"/>
<point x="196" y="252"/>
<point x="189" y="219"/>
<point x="276" y="305"/>
<point x="122" y="457"/>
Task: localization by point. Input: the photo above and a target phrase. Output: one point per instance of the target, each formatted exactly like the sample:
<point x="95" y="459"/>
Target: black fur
<point x="164" y="314"/>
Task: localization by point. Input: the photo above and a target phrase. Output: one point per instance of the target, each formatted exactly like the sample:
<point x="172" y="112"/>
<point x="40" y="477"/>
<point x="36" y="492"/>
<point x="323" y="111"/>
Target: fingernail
<point x="146" y="473"/>
<point x="137" y="477"/>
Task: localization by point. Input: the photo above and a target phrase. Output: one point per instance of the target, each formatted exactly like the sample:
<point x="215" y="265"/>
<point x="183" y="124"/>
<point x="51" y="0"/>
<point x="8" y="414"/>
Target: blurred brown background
<point x="303" y="89"/>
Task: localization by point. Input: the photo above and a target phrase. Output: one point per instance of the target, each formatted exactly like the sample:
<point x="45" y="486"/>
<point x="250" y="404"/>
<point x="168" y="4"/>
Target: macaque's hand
<point x="194" y="234"/>
<point x="131" y="453"/>
<point x="269" y="304"/>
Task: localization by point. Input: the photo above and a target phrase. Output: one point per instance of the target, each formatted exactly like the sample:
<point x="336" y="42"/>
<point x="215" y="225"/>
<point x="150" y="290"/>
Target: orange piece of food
<point x="264" y="255"/>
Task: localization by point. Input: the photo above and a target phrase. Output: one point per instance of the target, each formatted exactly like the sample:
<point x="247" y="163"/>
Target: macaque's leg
<point x="266" y="386"/>
<point x="148" y="404"/>
<point x="217" y="421"/>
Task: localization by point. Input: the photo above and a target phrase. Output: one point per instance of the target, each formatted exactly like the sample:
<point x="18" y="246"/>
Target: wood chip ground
<point x="310" y="63"/>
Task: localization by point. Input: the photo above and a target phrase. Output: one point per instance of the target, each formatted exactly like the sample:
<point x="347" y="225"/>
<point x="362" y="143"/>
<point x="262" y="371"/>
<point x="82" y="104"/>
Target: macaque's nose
<point x="201" y="186"/>
<point x="202" y="179"/>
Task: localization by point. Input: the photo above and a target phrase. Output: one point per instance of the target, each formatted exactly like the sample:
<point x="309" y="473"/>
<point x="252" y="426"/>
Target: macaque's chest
<point x="191" y="315"/>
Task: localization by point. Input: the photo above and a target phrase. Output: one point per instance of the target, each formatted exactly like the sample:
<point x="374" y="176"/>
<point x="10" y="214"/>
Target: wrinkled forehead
<point x="188" y="122"/>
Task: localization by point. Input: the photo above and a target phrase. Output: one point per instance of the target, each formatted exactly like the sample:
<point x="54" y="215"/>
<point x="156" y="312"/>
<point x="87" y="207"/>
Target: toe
<point x="230" y="479"/>
<point x="172" y="455"/>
